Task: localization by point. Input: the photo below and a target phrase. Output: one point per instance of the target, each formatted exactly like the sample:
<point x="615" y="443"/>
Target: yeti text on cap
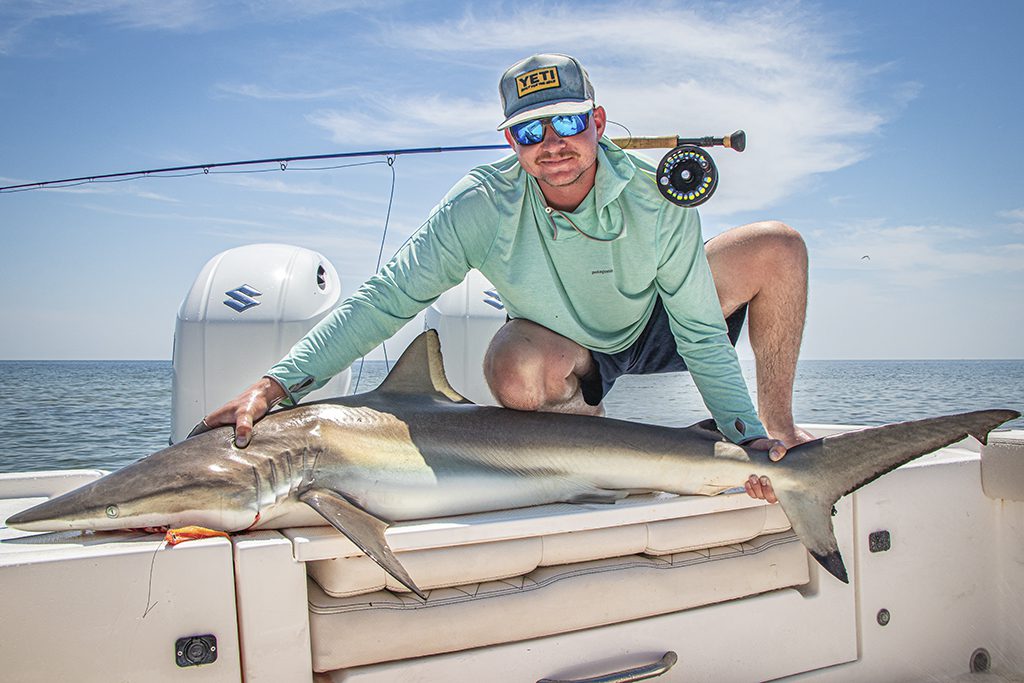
<point x="538" y="79"/>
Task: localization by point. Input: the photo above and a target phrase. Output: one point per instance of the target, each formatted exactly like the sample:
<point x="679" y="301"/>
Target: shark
<point x="414" y="448"/>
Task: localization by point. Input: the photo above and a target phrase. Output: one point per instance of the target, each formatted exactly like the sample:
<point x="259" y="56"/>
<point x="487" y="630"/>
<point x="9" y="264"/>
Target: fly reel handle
<point x="687" y="175"/>
<point x="736" y="141"/>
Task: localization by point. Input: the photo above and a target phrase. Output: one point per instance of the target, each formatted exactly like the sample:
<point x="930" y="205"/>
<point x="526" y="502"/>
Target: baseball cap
<point x="544" y="85"/>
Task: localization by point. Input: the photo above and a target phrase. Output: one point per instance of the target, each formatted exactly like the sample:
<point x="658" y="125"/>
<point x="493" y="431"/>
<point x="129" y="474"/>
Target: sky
<point x="877" y="129"/>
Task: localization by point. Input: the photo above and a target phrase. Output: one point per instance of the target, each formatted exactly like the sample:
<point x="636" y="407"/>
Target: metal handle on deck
<point x="640" y="673"/>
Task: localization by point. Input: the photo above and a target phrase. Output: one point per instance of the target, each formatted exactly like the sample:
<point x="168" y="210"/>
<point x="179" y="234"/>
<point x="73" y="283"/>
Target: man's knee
<point x="514" y="374"/>
<point x="529" y="367"/>
<point x="767" y="244"/>
<point x="785" y="244"/>
<point x="751" y="259"/>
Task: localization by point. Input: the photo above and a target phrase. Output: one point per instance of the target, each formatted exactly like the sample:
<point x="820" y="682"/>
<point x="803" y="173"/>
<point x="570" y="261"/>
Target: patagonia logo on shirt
<point x="602" y="272"/>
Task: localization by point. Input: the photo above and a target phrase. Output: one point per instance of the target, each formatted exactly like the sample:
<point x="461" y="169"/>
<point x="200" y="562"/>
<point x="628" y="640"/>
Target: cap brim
<point x="550" y="109"/>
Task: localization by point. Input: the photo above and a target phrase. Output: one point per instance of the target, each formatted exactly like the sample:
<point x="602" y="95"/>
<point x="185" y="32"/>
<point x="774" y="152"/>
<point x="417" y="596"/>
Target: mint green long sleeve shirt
<point x="592" y="277"/>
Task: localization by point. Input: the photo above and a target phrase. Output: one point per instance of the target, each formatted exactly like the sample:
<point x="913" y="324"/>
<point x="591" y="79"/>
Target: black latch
<point x="195" y="650"/>
<point x="879" y="541"/>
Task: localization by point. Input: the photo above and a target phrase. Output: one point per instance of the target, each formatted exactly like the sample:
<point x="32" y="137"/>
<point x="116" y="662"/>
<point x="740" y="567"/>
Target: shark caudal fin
<point x="820" y="472"/>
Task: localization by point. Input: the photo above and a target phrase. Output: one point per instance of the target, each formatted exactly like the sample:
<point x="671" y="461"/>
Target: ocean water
<point x="106" y="414"/>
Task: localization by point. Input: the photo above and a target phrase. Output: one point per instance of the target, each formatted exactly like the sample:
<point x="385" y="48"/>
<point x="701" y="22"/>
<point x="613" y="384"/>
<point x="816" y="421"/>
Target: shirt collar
<point x="614" y="171"/>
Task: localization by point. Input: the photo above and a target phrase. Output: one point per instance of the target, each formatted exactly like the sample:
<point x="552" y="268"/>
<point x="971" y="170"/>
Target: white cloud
<point x="9" y="33"/>
<point x="18" y="16"/>
<point x="261" y="92"/>
<point x="124" y="188"/>
<point x="914" y="256"/>
<point x="395" y="120"/>
<point x="291" y="186"/>
<point x="346" y="219"/>
<point x="207" y="222"/>
<point x="778" y="73"/>
<point x="127" y="13"/>
<point x="1016" y="218"/>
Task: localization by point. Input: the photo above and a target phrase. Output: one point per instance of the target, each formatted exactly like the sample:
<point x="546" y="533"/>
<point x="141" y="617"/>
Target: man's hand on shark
<point x="761" y="487"/>
<point x="776" y="449"/>
<point x="247" y="409"/>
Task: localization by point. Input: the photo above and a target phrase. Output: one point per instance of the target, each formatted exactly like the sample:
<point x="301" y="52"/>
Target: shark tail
<point x="820" y="472"/>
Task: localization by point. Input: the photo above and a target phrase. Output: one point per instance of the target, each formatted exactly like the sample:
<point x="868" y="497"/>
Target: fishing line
<point x="289" y="168"/>
<point x="324" y="168"/>
<point x="283" y="162"/>
<point x="629" y="133"/>
<point x="61" y="185"/>
<point x="64" y="184"/>
<point x="387" y="218"/>
<point x="149" y="595"/>
<point x="380" y="253"/>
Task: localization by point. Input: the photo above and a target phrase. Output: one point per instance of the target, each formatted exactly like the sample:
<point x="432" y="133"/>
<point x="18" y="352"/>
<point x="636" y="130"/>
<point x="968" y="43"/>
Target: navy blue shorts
<point x="653" y="352"/>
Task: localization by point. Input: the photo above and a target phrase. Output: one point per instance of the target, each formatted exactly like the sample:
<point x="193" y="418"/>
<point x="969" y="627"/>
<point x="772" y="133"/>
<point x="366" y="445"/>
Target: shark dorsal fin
<point x="420" y="370"/>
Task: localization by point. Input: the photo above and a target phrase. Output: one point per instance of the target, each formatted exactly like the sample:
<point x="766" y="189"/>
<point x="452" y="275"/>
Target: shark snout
<point x="176" y="487"/>
<point x="66" y="512"/>
<point x="27" y="520"/>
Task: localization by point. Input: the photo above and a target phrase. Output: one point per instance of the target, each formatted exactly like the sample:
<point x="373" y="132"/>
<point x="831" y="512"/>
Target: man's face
<point x="562" y="162"/>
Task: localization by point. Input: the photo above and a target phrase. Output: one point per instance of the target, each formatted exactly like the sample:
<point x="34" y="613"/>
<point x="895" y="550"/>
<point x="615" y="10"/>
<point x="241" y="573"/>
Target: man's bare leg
<point x="529" y="367"/>
<point x="765" y="265"/>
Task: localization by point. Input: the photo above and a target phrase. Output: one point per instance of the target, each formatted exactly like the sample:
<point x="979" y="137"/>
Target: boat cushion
<point x="383" y="626"/>
<point x="482" y="562"/>
<point x="1002" y="466"/>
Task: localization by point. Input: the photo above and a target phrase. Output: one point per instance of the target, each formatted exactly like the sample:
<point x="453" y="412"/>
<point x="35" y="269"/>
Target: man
<point x="600" y="276"/>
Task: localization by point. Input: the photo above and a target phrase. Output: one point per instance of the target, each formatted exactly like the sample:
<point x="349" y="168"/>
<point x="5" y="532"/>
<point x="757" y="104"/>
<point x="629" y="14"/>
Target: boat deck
<point x="280" y="603"/>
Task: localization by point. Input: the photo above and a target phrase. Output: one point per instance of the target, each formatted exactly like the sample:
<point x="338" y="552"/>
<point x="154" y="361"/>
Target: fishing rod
<point x="687" y="174"/>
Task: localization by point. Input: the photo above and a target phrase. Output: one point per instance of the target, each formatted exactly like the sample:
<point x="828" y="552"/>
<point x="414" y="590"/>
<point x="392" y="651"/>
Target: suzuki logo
<point x="492" y="298"/>
<point x="242" y="298"/>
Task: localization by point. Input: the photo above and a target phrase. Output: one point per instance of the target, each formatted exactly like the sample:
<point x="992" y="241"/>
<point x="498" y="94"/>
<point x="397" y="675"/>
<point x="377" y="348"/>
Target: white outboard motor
<point x="244" y="312"/>
<point x="466" y="317"/>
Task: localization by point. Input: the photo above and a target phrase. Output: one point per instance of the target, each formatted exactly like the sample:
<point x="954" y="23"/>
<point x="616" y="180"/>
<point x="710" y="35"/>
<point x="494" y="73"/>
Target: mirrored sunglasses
<point x="565" y="125"/>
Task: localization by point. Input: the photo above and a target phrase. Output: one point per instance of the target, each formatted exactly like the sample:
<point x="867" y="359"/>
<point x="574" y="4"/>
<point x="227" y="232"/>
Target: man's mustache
<point x="556" y="156"/>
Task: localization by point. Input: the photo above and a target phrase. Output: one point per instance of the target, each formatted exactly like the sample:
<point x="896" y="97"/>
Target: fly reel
<point x="687" y="175"/>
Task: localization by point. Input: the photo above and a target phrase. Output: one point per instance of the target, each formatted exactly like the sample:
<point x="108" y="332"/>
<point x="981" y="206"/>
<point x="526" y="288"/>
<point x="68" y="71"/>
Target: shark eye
<point x="112" y="511"/>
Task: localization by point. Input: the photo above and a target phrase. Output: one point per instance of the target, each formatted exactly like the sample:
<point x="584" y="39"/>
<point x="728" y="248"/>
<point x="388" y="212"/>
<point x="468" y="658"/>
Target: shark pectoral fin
<point x="811" y="518"/>
<point x="362" y="528"/>
<point x="605" y="496"/>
